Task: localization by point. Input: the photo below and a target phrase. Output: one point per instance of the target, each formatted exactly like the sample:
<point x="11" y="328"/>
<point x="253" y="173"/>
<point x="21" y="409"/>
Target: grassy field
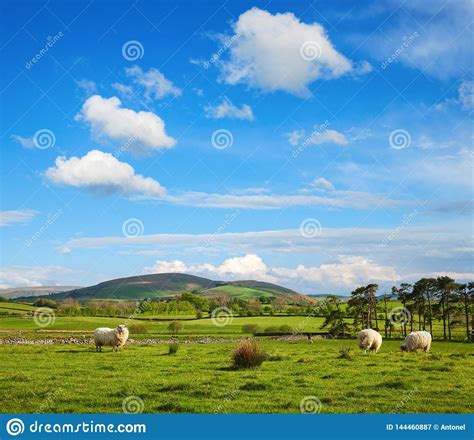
<point x="191" y="327"/>
<point x="197" y="379"/>
<point x="203" y="326"/>
<point x="16" y="308"/>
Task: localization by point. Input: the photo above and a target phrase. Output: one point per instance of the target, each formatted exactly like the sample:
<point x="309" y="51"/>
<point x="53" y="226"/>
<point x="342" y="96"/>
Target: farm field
<point x="198" y="379"/>
<point x="191" y="327"/>
<point x="203" y="326"/>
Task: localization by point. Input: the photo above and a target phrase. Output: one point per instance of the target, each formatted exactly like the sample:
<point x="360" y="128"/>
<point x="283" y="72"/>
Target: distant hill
<point x="167" y="285"/>
<point x="16" y="292"/>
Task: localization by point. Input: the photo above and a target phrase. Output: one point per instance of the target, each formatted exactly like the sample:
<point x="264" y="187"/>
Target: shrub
<point x="173" y="348"/>
<point x="175" y="327"/>
<point x="45" y="302"/>
<point x="251" y="328"/>
<point x="286" y="328"/>
<point x="199" y="314"/>
<point x="272" y="329"/>
<point x="249" y="354"/>
<point x="137" y="328"/>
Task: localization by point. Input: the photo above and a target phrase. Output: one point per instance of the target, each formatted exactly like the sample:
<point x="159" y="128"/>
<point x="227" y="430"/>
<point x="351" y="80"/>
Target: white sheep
<point x="420" y="340"/>
<point x="114" y="337"/>
<point x="369" y="339"/>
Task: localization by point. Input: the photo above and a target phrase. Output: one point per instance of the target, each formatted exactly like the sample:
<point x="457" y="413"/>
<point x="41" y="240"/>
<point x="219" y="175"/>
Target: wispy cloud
<point x="9" y="218"/>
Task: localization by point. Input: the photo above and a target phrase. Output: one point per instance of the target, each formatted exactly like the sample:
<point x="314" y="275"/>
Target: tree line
<point x="428" y="300"/>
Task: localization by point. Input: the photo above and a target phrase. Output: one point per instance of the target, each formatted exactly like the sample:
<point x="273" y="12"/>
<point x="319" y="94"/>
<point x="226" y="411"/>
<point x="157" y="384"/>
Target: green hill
<point x="167" y="285"/>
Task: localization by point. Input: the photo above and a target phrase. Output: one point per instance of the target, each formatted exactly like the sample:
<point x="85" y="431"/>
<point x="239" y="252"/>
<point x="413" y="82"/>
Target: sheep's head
<point x="403" y="348"/>
<point x="121" y="328"/>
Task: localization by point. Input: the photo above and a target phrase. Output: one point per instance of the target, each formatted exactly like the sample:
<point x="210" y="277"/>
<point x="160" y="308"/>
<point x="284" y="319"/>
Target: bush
<point x="175" y="327"/>
<point x="272" y="329"/>
<point x="44" y="302"/>
<point x="251" y="328"/>
<point x="199" y="314"/>
<point x="249" y="354"/>
<point x="286" y="328"/>
<point x="172" y="348"/>
<point x="137" y="328"/>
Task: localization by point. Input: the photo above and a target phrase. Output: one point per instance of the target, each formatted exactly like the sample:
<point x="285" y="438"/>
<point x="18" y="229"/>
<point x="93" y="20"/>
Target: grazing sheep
<point x="420" y="340"/>
<point x="369" y="339"/>
<point x="115" y="337"/>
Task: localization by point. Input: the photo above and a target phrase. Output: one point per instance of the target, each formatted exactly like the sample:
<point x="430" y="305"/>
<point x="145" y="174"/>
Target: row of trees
<point x="428" y="300"/>
<point x="438" y="298"/>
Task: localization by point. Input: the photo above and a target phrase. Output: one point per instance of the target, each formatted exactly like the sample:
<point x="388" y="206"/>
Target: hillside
<point x="16" y="292"/>
<point x="167" y="285"/>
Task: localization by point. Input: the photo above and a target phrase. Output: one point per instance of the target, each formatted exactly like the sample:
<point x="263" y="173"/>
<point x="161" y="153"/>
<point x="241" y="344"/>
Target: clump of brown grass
<point x="249" y="354"/>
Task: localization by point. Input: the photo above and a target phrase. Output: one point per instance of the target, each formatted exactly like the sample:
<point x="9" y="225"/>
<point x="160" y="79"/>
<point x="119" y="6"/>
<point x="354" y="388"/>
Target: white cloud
<point x="123" y="90"/>
<point x="89" y="87"/>
<point x="21" y="276"/>
<point x="228" y="110"/>
<point x="24" y="142"/>
<point x="265" y="53"/>
<point x="466" y="95"/>
<point x="348" y="271"/>
<point x="250" y="266"/>
<point x="328" y="136"/>
<point x="8" y="218"/>
<point x="101" y="172"/>
<point x="322" y="183"/>
<point x="447" y="171"/>
<point x="465" y="98"/>
<point x="337" y="199"/>
<point x="348" y="255"/>
<point x="154" y="83"/>
<point x="294" y="137"/>
<point x="443" y="48"/>
<point x="108" y="120"/>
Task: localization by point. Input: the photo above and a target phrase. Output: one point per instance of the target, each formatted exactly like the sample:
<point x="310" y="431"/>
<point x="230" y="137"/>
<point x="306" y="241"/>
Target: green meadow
<point x="198" y="379"/>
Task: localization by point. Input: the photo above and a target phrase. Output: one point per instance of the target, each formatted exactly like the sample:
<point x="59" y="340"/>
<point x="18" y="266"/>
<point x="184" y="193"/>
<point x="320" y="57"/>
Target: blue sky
<point x="318" y="145"/>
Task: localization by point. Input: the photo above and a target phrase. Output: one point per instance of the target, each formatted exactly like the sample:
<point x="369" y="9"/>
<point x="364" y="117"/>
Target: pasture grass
<point x="199" y="379"/>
